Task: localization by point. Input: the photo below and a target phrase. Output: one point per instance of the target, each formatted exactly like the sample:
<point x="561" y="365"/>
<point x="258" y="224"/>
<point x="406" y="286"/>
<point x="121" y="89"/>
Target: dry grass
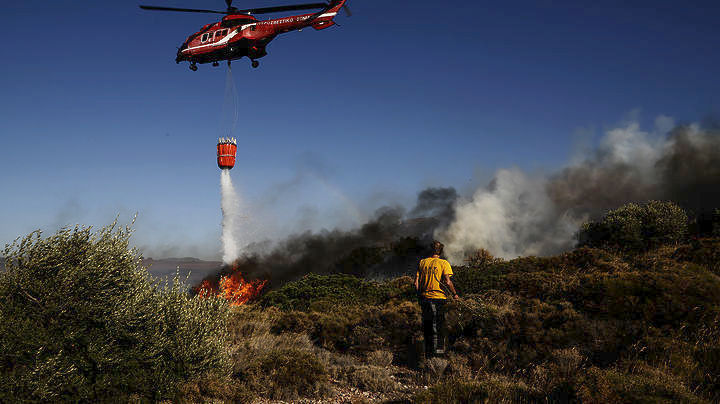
<point x="380" y="358"/>
<point x="371" y="378"/>
<point x="486" y="389"/>
<point x="436" y="367"/>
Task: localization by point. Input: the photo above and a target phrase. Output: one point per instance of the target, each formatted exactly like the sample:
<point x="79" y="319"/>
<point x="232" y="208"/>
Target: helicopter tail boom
<point x="324" y="19"/>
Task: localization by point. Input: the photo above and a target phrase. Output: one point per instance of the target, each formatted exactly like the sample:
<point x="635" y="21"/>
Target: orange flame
<point x="234" y="288"/>
<point x="239" y="291"/>
<point x="205" y="289"/>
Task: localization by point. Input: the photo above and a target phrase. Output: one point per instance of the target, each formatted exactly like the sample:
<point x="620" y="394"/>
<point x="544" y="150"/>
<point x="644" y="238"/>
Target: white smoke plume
<point x="513" y="216"/>
<point x="231" y="212"/>
<point x="520" y="214"/>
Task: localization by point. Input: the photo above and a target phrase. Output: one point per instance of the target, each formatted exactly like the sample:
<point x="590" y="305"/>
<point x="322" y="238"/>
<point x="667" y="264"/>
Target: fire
<point x="238" y="291"/>
<point x="234" y="288"/>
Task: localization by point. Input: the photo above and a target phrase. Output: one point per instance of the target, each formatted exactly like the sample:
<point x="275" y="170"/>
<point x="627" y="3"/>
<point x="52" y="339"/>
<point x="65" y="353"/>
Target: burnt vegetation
<point x="630" y="315"/>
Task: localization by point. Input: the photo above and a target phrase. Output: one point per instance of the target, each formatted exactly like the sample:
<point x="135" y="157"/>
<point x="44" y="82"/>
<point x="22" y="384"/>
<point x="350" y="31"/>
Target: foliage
<point x="704" y="252"/>
<point x="493" y="390"/>
<point x="634" y="227"/>
<point x="482" y="258"/>
<point x="357" y="329"/>
<point x="81" y="321"/>
<point x="285" y="374"/>
<point x="641" y="384"/>
<point x="380" y="358"/>
<point x="371" y="378"/>
<point x="331" y="290"/>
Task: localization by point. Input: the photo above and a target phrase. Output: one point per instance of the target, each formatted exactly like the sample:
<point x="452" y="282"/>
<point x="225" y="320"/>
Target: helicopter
<point x="239" y="33"/>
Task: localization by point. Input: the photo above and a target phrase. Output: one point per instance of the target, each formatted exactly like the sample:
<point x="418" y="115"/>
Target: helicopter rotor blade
<point x="186" y="10"/>
<point x="277" y="9"/>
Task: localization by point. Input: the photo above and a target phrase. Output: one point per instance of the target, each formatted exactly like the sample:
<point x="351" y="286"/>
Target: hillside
<point x="588" y="325"/>
<point x="632" y="316"/>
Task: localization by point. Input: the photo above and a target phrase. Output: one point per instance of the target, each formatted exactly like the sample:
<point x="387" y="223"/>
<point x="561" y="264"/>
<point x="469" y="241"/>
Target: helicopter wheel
<point x="255" y="63"/>
<point x="216" y="64"/>
<point x="193" y="67"/>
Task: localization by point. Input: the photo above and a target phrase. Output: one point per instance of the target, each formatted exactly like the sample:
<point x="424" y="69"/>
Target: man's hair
<point x="437" y="247"/>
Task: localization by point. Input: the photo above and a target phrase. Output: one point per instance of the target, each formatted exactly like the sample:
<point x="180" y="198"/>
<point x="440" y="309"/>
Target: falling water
<point x="230" y="200"/>
<point x="230" y="204"/>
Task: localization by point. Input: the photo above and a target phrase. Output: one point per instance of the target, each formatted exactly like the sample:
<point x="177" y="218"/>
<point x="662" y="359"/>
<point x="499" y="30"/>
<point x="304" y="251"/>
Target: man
<point x="431" y="272"/>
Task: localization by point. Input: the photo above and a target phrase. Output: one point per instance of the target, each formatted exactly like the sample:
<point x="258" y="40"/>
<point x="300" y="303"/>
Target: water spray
<point x="230" y="201"/>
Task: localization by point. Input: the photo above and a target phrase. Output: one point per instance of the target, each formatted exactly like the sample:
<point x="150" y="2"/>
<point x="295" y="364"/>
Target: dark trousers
<point x="433" y="317"/>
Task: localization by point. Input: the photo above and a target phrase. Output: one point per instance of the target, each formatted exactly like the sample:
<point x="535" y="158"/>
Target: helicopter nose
<point x="180" y="56"/>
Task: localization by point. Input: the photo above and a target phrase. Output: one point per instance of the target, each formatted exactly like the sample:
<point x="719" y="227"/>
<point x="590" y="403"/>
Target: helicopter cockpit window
<point x="218" y="34"/>
<point x="204" y="38"/>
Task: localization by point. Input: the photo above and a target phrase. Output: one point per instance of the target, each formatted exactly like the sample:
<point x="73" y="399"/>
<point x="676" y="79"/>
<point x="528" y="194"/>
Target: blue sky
<point x="96" y="119"/>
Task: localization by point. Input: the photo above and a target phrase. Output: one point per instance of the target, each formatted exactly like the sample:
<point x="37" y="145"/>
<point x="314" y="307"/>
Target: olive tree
<point x="81" y="320"/>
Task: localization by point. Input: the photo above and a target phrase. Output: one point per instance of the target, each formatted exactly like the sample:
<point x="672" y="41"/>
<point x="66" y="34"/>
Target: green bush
<point x="330" y="290"/>
<point x="81" y="321"/>
<point x="634" y="227"/>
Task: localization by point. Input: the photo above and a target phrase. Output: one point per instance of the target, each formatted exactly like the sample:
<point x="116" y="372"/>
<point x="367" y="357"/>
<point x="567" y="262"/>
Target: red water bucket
<point x="226" y="150"/>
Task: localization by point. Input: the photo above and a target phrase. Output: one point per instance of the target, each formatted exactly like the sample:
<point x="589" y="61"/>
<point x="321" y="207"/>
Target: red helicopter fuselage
<point x="240" y="35"/>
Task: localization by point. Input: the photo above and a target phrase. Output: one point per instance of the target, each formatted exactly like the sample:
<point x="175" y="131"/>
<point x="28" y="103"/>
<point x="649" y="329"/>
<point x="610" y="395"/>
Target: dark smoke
<point x="691" y="170"/>
<point x="685" y="170"/>
<point x="516" y="214"/>
<point x="437" y="203"/>
<point x="388" y="245"/>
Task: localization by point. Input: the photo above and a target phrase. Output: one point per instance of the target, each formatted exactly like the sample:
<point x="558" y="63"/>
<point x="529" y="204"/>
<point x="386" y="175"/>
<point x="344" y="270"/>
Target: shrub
<point x="269" y="365"/>
<point x="380" y="358"/>
<point x="435" y="368"/>
<point x="81" y="321"/>
<point x="371" y="378"/>
<point x="705" y="252"/>
<point x="285" y="374"/>
<point x="213" y="388"/>
<point x="333" y="289"/>
<point x="482" y="258"/>
<point x="642" y="384"/>
<point x="558" y="376"/>
<point x="635" y="227"/>
<point x="492" y="389"/>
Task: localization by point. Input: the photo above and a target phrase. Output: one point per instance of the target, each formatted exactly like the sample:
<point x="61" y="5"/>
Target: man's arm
<point x="417" y="281"/>
<point x="448" y="282"/>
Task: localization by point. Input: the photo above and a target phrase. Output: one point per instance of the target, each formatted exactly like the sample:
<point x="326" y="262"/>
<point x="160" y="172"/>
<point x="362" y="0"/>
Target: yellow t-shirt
<point x="430" y="271"/>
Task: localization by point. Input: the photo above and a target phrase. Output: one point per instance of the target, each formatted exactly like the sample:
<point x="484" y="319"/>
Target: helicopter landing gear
<point x="193" y="66"/>
<point x="216" y="64"/>
<point x="255" y="64"/>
